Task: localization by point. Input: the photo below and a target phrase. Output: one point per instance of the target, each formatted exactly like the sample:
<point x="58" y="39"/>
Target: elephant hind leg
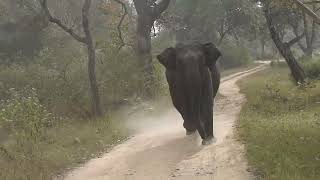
<point x="201" y="129"/>
<point x="207" y="117"/>
<point x="206" y="106"/>
<point x="209" y="127"/>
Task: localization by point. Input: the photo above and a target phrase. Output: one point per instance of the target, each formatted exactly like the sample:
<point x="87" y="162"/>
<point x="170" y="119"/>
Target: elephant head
<point x="181" y="55"/>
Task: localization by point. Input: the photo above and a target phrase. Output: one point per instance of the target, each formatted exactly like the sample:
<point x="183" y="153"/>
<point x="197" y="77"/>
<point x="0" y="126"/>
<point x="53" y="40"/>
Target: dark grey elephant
<point x="194" y="80"/>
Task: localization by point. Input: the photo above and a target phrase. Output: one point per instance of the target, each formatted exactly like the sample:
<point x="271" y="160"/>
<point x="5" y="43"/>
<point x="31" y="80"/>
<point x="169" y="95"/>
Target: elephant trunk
<point x="192" y="85"/>
<point x="193" y="92"/>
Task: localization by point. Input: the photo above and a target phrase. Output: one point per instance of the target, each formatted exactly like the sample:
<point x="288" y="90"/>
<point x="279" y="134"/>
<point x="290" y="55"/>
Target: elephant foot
<point x="208" y="141"/>
<point x="188" y="132"/>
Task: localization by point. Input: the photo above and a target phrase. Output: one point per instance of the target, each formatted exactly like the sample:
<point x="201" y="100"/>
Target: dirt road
<point x="161" y="151"/>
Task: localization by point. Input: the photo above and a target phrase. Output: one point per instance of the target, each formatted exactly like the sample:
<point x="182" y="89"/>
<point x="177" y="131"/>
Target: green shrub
<point x="28" y="123"/>
<point x="62" y="83"/>
<point x="58" y="91"/>
<point x="40" y="145"/>
<point x="234" y="56"/>
<point x="312" y="69"/>
<point x="24" y="116"/>
<point x="311" y="66"/>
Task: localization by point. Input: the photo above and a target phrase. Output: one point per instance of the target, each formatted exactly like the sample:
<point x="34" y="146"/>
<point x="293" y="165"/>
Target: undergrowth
<point x="280" y="126"/>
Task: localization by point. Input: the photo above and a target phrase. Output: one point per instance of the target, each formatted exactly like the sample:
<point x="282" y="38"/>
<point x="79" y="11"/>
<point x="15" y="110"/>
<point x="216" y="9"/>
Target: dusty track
<point x="161" y="151"/>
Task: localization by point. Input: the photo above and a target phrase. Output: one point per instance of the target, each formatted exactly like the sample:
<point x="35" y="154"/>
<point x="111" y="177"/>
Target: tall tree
<point x="303" y="6"/>
<point x="310" y="35"/>
<point x="148" y="12"/>
<point x="283" y="47"/>
<point x="309" y="27"/>
<point x="88" y="41"/>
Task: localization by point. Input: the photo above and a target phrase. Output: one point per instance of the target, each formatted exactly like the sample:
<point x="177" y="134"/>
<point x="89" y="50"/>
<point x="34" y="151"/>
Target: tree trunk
<point x="96" y="106"/>
<point x="309" y="37"/>
<point x="148" y="12"/>
<point x="144" y="52"/>
<point x="221" y="38"/>
<point x="263" y="44"/>
<point x="308" y="11"/>
<point x="88" y="41"/>
<point x="309" y="52"/>
<point x="296" y="70"/>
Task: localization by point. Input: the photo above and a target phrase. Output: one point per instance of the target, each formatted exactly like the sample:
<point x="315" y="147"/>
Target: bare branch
<point x="59" y="23"/>
<point x="308" y="11"/>
<point x="295" y="32"/>
<point x="295" y="40"/>
<point x="124" y="7"/>
<point x="311" y="2"/>
<point x="223" y="33"/>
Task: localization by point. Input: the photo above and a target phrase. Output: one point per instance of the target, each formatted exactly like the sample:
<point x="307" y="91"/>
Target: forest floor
<point x="160" y="150"/>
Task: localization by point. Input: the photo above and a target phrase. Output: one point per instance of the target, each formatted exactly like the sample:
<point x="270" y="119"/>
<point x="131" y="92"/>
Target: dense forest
<point x="71" y="65"/>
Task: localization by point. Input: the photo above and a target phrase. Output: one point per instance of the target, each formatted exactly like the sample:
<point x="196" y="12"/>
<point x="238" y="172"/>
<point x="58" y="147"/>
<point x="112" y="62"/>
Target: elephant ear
<point x="168" y="58"/>
<point x="212" y="53"/>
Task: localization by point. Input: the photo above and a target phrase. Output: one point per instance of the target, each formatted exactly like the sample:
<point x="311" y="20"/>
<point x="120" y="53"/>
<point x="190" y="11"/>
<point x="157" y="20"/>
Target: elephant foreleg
<point x="179" y="101"/>
<point x="215" y="78"/>
<point x="207" y="104"/>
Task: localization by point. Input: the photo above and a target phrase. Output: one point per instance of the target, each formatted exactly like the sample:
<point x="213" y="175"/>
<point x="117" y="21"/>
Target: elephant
<point x="194" y="80"/>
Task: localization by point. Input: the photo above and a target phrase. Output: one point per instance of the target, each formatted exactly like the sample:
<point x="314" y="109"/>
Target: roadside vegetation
<point x="67" y="69"/>
<point x="37" y="152"/>
<point x="312" y="67"/>
<point x="280" y="125"/>
<point x="39" y="143"/>
<point x="45" y="120"/>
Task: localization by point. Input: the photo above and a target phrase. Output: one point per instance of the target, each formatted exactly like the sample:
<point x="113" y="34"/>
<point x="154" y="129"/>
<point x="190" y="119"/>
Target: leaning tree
<point x="272" y="12"/>
<point x="307" y="9"/>
<point x="312" y="13"/>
